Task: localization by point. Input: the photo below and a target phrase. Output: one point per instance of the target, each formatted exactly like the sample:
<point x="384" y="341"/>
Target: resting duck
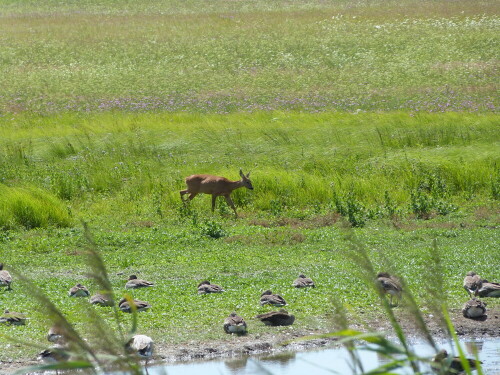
<point x="235" y="324"/>
<point x="277" y="318"/>
<point x="268" y="298"/>
<point x="488" y="289"/>
<point x="472" y="283"/>
<point x="474" y="309"/>
<point x="452" y="365"/>
<point x="140" y="305"/>
<point x="79" y="291"/>
<point x="57" y="334"/>
<point x="205" y="287"/>
<point x="303" y="282"/>
<point x="102" y="299"/>
<point x="14" y="318"/>
<point x="5" y="278"/>
<point x="134" y="283"/>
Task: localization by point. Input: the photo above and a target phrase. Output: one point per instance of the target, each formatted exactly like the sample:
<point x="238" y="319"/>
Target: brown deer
<point x="216" y="186"/>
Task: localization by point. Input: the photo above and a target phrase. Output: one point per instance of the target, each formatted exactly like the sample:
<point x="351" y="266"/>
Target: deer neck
<point x="236" y="184"/>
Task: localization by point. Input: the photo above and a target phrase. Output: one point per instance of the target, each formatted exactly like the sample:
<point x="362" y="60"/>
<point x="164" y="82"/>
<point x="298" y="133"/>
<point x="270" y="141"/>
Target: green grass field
<point x="107" y="106"/>
<point x="226" y="56"/>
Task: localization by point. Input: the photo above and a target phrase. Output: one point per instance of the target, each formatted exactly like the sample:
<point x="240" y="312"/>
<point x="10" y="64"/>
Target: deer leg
<point x="192" y="195"/>
<point x="230" y="202"/>
<point x="182" y="192"/>
<point x="214" y="197"/>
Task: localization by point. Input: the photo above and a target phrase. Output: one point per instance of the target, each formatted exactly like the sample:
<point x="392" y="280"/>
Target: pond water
<point x="323" y="362"/>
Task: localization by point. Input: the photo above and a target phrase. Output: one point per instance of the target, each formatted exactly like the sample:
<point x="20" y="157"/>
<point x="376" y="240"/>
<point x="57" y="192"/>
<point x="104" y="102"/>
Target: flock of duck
<point x="142" y="345"/>
<point x="478" y="287"/>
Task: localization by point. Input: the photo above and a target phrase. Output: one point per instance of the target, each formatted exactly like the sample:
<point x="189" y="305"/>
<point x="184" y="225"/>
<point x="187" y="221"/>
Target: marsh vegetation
<point x="374" y="120"/>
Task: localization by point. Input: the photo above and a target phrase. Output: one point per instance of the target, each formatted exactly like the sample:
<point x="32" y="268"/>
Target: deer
<point x="216" y="186"/>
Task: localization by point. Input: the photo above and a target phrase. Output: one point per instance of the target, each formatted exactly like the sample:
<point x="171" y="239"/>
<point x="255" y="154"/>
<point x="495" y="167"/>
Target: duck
<point x="102" y="299"/>
<point x="276" y="318"/>
<point x="5" y="278"/>
<point x="140" y="305"/>
<point x="55" y="354"/>
<point x="79" y="291"/>
<point x="13" y="318"/>
<point x="235" y="324"/>
<point x="453" y="365"/>
<point x="206" y="287"/>
<point x="474" y="309"/>
<point x="56" y="334"/>
<point x="134" y="283"/>
<point x="303" y="282"/>
<point x="390" y="285"/>
<point x="472" y="283"/>
<point x="268" y="298"/>
<point x="141" y="345"/>
<point x="488" y="289"/>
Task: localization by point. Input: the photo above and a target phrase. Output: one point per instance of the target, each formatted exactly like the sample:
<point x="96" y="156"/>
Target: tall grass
<point x="31" y="208"/>
<point x="363" y="166"/>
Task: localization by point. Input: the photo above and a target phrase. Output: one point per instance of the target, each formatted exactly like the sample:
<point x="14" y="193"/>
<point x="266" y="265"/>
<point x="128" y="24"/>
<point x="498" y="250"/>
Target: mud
<point x="274" y="343"/>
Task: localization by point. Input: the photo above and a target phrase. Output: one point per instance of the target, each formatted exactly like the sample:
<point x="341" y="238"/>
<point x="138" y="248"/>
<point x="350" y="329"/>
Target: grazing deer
<point x="216" y="186"/>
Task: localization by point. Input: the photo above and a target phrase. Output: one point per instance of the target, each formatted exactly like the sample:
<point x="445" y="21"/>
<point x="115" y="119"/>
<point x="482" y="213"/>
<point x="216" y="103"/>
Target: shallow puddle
<point x="324" y="361"/>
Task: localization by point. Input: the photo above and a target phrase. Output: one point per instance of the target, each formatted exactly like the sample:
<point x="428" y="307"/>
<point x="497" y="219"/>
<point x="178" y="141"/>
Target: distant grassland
<point x="363" y="166"/>
<point x="224" y="56"/>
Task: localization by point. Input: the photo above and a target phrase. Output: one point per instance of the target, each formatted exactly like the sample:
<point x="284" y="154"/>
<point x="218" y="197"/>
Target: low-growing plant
<point x="421" y="204"/>
<point x="101" y="347"/>
<point x="212" y="228"/>
<point x="399" y="355"/>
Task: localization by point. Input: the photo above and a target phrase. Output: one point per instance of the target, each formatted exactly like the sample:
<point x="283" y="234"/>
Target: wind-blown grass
<point x="31" y="208"/>
<point x="364" y="166"/>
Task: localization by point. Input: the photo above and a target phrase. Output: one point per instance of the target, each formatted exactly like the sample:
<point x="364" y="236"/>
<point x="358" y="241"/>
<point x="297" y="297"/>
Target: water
<point x="323" y="362"/>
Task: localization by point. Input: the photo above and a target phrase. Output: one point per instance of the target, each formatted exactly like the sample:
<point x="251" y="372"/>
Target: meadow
<point x="368" y="120"/>
<point x="226" y="56"/>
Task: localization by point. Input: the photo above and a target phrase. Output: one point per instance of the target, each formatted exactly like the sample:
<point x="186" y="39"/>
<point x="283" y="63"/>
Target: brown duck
<point x="235" y="324"/>
<point x="277" y="318"/>
<point x="14" y="318"/>
<point x="474" y="309"/>
<point x="268" y="298"/>
<point x="303" y="282"/>
<point x="134" y="283"/>
<point x="140" y="305"/>
<point x="472" y="283"/>
<point x="57" y="334"/>
<point x="390" y="285"/>
<point x="488" y="289"/>
<point x="441" y="362"/>
<point x="102" y="299"/>
<point x="79" y="291"/>
<point x="205" y="287"/>
<point x="5" y="278"/>
<point x="141" y="345"/>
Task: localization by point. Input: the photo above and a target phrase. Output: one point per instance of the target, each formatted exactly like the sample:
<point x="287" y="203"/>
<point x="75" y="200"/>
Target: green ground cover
<point x="121" y="173"/>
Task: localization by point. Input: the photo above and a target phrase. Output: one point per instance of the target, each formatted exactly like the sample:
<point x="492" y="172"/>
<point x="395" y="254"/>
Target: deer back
<point x="209" y="184"/>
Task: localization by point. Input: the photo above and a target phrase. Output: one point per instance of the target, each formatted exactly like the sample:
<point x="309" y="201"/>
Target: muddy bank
<point x="271" y="342"/>
<point x="248" y="345"/>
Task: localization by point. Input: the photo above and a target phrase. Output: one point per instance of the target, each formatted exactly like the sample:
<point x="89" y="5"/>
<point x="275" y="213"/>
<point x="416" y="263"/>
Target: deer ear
<point x="241" y="173"/>
<point x="248" y="175"/>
